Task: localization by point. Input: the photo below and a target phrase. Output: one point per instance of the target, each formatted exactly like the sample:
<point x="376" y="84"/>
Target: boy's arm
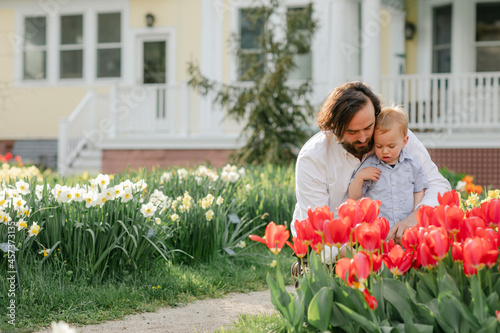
<point x="356" y="185"/>
<point x="417" y="197"/>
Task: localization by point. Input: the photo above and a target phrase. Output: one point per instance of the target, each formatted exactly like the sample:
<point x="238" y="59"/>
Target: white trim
<point x="53" y="11"/>
<point x="227" y="141"/>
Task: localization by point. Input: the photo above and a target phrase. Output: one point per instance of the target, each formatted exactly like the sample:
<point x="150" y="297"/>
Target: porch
<point x="446" y="111"/>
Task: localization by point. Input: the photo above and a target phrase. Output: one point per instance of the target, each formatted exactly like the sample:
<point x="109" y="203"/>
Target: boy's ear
<point x="405" y="141"/>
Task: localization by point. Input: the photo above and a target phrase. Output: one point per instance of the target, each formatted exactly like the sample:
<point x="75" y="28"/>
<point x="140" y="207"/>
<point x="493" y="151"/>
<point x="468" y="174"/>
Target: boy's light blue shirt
<point x="395" y="186"/>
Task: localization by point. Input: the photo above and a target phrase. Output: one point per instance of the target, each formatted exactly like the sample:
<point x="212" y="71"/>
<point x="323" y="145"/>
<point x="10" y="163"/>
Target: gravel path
<point x="201" y="316"/>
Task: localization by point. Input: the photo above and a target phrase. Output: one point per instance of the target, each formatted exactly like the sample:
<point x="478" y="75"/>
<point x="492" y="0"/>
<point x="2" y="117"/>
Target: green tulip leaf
<point x="434" y="307"/>
<point x="447" y="283"/>
<point x="448" y="311"/>
<point x="320" y="309"/>
<point x="411" y="327"/>
<point x="478" y="304"/>
<point x="361" y="321"/>
<point x="490" y="325"/>
<point x="427" y="278"/>
<point x="492" y="301"/>
<point x="395" y="292"/>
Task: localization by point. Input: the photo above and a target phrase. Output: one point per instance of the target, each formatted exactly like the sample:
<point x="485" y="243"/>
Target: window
<point x="488" y="37"/>
<point x="251" y="57"/>
<point x="109" y="45"/>
<point x="298" y="20"/>
<point x="35" y="48"/>
<point x="71" y="48"/>
<point x="441" y="40"/>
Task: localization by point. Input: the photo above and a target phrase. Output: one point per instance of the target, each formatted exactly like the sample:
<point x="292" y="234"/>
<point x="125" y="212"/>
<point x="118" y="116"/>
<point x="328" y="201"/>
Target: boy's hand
<point x="370" y="173"/>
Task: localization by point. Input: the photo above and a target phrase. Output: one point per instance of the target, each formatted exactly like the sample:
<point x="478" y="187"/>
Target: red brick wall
<point x="481" y="163"/>
<point x="6" y="146"/>
<point x="115" y="161"/>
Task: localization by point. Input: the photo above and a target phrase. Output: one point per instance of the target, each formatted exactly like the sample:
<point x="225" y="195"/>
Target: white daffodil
<point x="148" y="209"/>
<point x="90" y="199"/>
<point x="165" y="177"/>
<point x="22" y="187"/>
<point x="34" y="229"/>
<point x="209" y="215"/>
<point x="219" y="201"/>
<point x="127" y="194"/>
<point x="21" y="224"/>
<point x="102" y="180"/>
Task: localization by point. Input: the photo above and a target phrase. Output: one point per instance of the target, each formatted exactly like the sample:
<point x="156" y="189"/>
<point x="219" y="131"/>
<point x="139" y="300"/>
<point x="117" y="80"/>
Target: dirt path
<point x="202" y="316"/>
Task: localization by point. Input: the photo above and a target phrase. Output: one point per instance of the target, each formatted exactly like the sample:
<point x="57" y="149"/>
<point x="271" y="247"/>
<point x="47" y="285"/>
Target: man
<point x="328" y="160"/>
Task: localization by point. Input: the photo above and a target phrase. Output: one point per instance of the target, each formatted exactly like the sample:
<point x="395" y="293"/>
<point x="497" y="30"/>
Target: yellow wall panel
<point x="411" y="45"/>
<point x="6" y="49"/>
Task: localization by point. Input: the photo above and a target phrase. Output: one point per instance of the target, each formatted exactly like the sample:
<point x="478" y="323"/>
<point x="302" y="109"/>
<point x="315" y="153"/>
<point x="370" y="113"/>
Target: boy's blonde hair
<point x="390" y="117"/>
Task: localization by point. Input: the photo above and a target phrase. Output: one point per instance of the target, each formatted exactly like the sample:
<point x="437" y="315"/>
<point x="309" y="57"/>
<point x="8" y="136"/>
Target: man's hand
<point x="399" y="228"/>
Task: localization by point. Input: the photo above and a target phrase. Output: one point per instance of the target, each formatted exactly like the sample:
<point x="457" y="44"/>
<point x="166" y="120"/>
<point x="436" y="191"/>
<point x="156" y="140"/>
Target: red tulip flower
<point x="304" y="231"/>
<point x="450" y="198"/>
<point x="299" y="247"/>
<point x="275" y="237"/>
<point x="370" y="209"/>
<point x="368" y="236"/>
<point x="474" y="253"/>
<point x="426" y="216"/>
<point x="383" y="225"/>
<point x="370" y="300"/>
<point x="450" y="217"/>
<point x="469" y="227"/>
<point x="317" y="243"/>
<point x="492" y="212"/>
<point x="457" y="252"/>
<point x="376" y="262"/>
<point x="438" y="242"/>
<point x="351" y="212"/>
<point x="410" y="239"/>
<point x="318" y="218"/>
<point x="341" y="268"/>
<point x="337" y="232"/>
<point x="398" y="261"/>
<point x="359" y="270"/>
<point x="8" y="156"/>
<point x="424" y="257"/>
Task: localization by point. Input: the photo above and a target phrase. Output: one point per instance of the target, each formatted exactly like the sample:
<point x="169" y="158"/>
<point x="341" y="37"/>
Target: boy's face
<point x="389" y="144"/>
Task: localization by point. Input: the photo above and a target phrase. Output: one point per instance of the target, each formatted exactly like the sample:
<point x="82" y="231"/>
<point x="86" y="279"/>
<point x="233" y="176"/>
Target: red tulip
<point x="426" y="217"/>
<point x="457" y="252"/>
<point x="398" y="261"/>
<point x="474" y="252"/>
<point x="337" y="232"/>
<point x="376" y="262"/>
<point x="305" y="231"/>
<point x="317" y="243"/>
<point x="8" y="156"/>
<point x="299" y="247"/>
<point x="318" y="218"/>
<point x="492" y="212"/>
<point x="497" y="314"/>
<point x="368" y="236"/>
<point x="450" y="217"/>
<point x="275" y="237"/>
<point x="351" y="211"/>
<point x="477" y="212"/>
<point x="437" y="239"/>
<point x="370" y="209"/>
<point x="341" y="267"/>
<point x="410" y="238"/>
<point x="469" y="227"/>
<point x="424" y="257"/>
<point x="469" y="270"/>
<point x="370" y="300"/>
<point x="450" y="198"/>
<point x="359" y="270"/>
<point x="383" y="225"/>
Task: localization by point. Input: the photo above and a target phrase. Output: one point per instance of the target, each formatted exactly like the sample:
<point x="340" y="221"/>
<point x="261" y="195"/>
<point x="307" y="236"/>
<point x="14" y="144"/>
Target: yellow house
<point x="102" y="84"/>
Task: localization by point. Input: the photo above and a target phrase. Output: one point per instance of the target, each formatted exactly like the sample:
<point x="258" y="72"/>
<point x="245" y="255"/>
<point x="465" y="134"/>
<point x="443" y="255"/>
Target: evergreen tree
<point x="275" y="112"/>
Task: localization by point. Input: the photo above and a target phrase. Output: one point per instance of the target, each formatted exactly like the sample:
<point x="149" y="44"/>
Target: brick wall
<point x="481" y="163"/>
<point x="115" y="161"/>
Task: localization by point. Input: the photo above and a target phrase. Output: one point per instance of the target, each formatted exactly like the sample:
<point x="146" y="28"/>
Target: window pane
<point x="35" y="31"/>
<point x="71" y="29"/>
<point x="71" y="64"/>
<point x="298" y="22"/>
<point x="488" y="22"/>
<point x="34" y="64"/>
<point x="154" y="62"/>
<point x="303" y="71"/>
<point x="251" y="25"/>
<point x="109" y="28"/>
<point x="251" y="65"/>
<point x="488" y="59"/>
<point x="442" y="25"/>
<point x="442" y="61"/>
<point x="109" y="63"/>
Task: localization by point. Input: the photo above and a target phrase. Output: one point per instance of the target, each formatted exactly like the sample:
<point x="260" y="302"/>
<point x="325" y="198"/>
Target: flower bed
<point x="444" y="277"/>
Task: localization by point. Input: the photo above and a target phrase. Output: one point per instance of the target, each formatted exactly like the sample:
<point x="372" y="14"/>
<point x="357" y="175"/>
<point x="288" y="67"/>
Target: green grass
<point x="264" y="323"/>
<point x="50" y="294"/>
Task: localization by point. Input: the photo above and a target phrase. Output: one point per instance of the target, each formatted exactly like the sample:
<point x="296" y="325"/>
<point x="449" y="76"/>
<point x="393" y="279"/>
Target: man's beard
<point x="355" y="150"/>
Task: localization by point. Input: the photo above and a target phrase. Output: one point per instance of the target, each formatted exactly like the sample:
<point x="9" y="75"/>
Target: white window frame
<point x="89" y="9"/>
<point x="483" y="43"/>
<point x="72" y="47"/>
<point x="103" y="46"/>
<point x="35" y="48"/>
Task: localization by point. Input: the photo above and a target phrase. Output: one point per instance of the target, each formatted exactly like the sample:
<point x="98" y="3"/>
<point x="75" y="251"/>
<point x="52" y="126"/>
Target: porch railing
<point x="446" y="102"/>
<point x="81" y="130"/>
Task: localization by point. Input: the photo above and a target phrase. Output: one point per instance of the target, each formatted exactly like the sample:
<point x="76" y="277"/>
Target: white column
<point x="341" y="50"/>
<point x="212" y="19"/>
<point x="370" y="42"/>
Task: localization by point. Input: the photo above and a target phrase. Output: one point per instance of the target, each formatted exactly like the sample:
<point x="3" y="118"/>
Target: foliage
<point x="445" y="277"/>
<point x="275" y="111"/>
